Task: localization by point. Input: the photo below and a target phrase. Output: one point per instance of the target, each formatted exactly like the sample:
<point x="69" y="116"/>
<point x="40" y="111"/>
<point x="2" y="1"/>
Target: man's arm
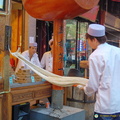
<point x="95" y="71"/>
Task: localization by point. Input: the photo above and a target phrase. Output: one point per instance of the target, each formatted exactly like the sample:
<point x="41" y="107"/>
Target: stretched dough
<point x="58" y="80"/>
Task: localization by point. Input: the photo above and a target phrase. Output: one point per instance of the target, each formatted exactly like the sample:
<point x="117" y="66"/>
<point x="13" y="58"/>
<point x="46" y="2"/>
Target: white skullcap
<point x="50" y="41"/>
<point x="33" y="44"/>
<point x="96" y="30"/>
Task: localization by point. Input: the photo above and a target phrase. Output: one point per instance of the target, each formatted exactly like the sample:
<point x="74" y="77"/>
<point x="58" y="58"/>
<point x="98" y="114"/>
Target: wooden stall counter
<point x="28" y="92"/>
<point x="22" y="93"/>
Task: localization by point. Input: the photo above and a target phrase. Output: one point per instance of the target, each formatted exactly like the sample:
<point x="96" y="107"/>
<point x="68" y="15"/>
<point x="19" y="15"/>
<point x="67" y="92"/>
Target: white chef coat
<point x="104" y="78"/>
<point x="34" y="60"/>
<point x="47" y="61"/>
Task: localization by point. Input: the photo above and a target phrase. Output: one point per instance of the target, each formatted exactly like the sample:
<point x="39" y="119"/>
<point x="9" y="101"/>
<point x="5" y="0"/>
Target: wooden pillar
<point x="57" y="93"/>
<point x="1" y="108"/>
<point x="58" y="49"/>
<point x="7" y="106"/>
<point x="6" y="71"/>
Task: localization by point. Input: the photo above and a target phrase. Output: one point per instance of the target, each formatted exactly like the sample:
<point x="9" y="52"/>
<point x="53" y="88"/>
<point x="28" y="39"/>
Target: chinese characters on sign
<point x="60" y="45"/>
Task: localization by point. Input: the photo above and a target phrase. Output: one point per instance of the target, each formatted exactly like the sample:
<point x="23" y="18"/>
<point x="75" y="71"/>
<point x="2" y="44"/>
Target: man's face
<point x="32" y="50"/>
<point x="51" y="45"/>
<point x="93" y="43"/>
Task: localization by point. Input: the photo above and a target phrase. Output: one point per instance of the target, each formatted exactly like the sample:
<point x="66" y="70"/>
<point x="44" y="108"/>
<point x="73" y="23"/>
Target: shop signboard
<point x="2" y="32"/>
<point x="5" y="40"/>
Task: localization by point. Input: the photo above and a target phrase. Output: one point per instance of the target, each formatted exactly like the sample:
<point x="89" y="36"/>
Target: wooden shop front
<point x="12" y="32"/>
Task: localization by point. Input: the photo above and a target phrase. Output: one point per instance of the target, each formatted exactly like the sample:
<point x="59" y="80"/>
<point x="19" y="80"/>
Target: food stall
<point x="15" y="93"/>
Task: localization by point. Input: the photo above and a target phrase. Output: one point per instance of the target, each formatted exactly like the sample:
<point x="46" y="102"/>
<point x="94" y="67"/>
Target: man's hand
<point x="80" y="87"/>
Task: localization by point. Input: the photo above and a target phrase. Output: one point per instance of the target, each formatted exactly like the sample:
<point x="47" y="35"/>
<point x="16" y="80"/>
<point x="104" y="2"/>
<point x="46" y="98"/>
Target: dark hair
<point x="100" y="39"/>
<point x="51" y="43"/>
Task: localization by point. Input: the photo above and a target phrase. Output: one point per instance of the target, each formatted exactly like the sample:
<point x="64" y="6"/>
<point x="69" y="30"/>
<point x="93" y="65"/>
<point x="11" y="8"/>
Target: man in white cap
<point x="30" y="55"/>
<point x="47" y="58"/>
<point x="104" y="78"/>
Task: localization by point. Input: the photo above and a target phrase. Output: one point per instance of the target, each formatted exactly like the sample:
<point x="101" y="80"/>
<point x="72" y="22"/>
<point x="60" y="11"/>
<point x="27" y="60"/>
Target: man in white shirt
<point x="47" y="58"/>
<point x="104" y="78"/>
<point x="30" y="55"/>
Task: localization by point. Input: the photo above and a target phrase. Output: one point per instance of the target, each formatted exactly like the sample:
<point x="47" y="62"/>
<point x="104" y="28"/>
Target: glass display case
<point x="75" y="45"/>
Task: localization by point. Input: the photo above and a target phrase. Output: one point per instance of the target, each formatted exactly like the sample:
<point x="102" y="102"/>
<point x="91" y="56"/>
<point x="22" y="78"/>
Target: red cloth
<point x="12" y="62"/>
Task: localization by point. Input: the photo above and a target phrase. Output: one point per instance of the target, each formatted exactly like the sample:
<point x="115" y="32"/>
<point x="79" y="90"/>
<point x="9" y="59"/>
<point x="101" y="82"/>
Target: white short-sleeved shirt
<point x="47" y="61"/>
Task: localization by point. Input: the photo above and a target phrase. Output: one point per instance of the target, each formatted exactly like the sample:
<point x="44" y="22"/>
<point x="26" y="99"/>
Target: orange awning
<point x="91" y="14"/>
